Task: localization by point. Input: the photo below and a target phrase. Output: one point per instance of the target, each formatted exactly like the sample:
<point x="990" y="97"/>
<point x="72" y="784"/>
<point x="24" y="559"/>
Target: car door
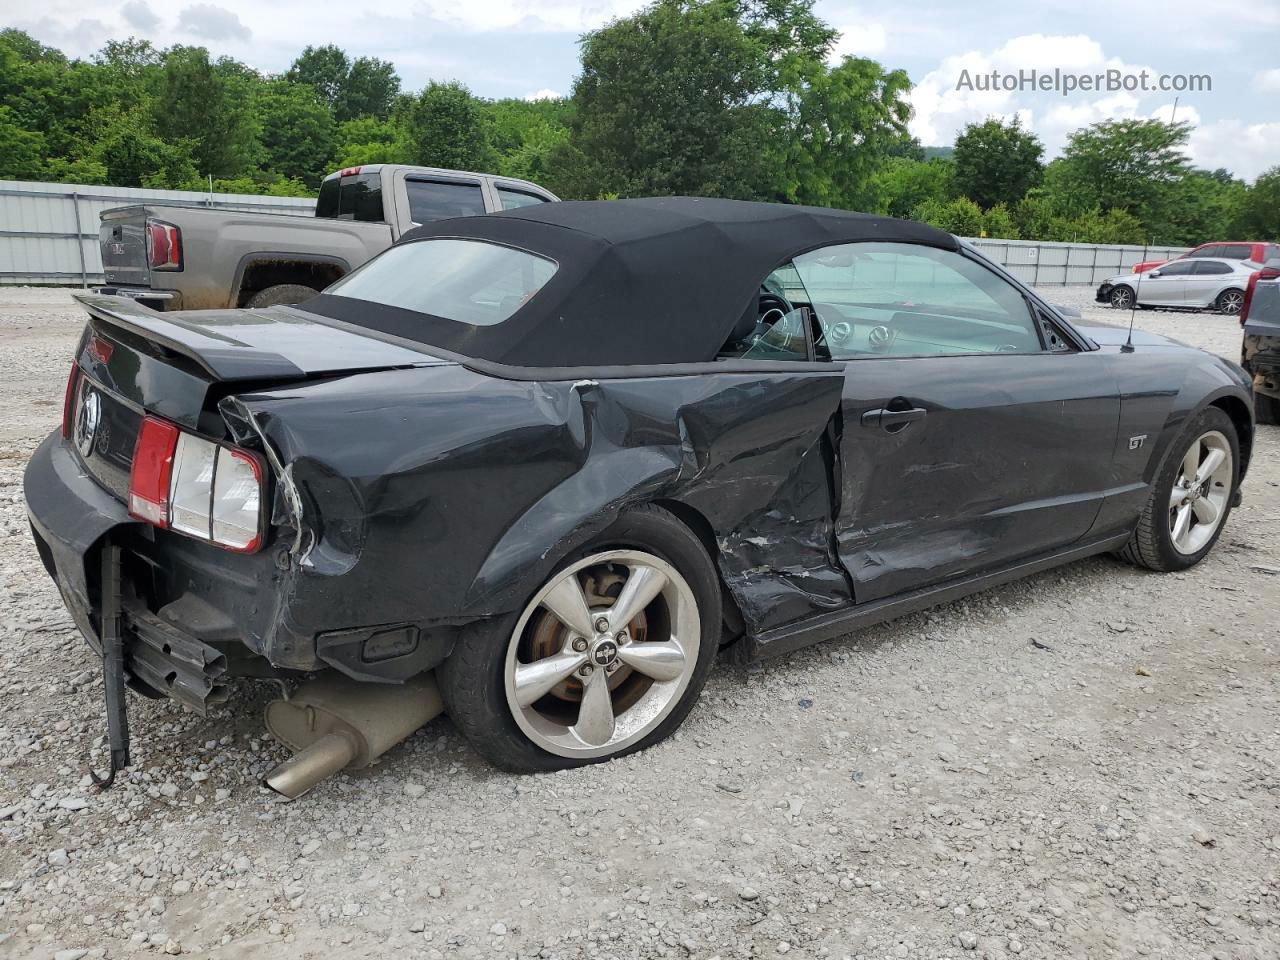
<point x="975" y="430"/>
<point x="1205" y="282"/>
<point x="1165" y="286"/>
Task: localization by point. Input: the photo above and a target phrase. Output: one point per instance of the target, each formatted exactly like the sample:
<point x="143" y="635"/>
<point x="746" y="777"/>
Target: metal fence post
<point x="75" y="205"/>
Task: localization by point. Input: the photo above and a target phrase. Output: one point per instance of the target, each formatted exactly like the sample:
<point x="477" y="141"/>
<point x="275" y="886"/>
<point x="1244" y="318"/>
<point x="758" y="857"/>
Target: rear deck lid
<point x="267" y="344"/>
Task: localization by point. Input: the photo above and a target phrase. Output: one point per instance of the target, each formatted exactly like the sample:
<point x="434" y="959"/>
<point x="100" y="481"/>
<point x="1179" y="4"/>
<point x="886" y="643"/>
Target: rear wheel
<point x="1122" y="298"/>
<point x="1230" y="302"/>
<point x="606" y="658"/>
<point x="1190" y="498"/>
<point x="287" y="293"/>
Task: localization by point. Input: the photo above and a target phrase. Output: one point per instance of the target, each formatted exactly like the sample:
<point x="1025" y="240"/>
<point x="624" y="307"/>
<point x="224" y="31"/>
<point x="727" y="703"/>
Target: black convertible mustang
<point x="562" y="455"/>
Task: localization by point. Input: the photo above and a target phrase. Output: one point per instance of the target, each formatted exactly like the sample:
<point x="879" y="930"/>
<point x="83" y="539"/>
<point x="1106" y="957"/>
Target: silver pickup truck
<point x="192" y="258"/>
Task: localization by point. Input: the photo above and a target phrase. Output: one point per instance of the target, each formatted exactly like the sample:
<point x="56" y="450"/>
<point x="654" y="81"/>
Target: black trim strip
<point x="804" y="633"/>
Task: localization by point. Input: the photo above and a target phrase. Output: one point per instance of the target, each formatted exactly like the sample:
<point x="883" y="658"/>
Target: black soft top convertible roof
<point x="646" y="281"/>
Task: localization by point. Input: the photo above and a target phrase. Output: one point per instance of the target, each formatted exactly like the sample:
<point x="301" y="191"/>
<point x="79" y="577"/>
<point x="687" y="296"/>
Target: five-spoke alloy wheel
<point x="607" y="656"/>
<point x="602" y="653"/>
<point x="1190" y="495"/>
<point x="1201" y="489"/>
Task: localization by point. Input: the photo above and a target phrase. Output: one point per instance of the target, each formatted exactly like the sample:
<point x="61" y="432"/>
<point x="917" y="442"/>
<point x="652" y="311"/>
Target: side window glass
<point x="908" y="300"/>
<point x="1176" y="268"/>
<point x="438" y="200"/>
<point x="1212" y="250"/>
<point x="514" y="199"/>
<point x="1236" y="251"/>
<point x="775" y="325"/>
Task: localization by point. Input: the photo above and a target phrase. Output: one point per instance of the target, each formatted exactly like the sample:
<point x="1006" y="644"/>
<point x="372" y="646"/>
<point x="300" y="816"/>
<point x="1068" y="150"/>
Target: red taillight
<point x="69" y="401"/>
<point x="164" y="246"/>
<point x="196" y="487"/>
<point x="152" y="468"/>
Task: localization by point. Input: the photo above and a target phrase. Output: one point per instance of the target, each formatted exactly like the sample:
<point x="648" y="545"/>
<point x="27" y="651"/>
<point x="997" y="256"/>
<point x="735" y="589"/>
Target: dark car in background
<point x="564" y="454"/>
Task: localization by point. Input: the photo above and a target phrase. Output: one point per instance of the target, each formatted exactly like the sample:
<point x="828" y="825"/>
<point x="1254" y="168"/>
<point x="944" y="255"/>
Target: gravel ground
<point x="1082" y="764"/>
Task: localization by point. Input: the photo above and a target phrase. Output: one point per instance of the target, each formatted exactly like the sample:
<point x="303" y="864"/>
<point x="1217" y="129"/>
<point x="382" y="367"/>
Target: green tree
<point x="324" y="68"/>
<point x="998" y="223"/>
<point x="902" y="185"/>
<point x="846" y="120"/>
<point x="448" y="127"/>
<point x="960" y="216"/>
<point x="370" y="140"/>
<point x="21" y="151"/>
<point x="297" y="132"/>
<point x="1125" y="164"/>
<point x="1259" y="216"/>
<point x="671" y="101"/>
<point x="368" y="90"/>
<point x="529" y="138"/>
<point x="209" y="105"/>
<point x="997" y="162"/>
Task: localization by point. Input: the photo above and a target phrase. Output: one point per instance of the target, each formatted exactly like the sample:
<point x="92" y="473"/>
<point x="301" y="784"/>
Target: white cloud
<point x="1268" y="79"/>
<point x="210" y="22"/>
<point x="941" y="110"/>
<point x="862" y="40"/>
<point x="545" y="93"/>
<point x="137" y="14"/>
<point x="1246" y="149"/>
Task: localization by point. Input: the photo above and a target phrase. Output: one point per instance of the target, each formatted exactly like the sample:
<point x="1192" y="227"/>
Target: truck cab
<point x="172" y="257"/>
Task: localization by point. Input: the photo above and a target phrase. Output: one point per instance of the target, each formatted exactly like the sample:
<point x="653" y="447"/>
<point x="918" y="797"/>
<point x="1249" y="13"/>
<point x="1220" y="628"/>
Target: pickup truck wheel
<point x="281" y="293"/>
<point x="606" y="658"/>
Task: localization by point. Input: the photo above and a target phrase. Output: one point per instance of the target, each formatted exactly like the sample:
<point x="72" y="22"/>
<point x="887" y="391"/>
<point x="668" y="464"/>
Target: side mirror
<point x="1155" y="273"/>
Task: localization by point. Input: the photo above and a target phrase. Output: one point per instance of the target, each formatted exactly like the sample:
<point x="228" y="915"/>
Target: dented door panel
<point x="1011" y="458"/>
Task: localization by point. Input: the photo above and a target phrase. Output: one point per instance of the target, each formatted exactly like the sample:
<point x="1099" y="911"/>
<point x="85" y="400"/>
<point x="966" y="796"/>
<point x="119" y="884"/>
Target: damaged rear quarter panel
<point x="445" y="495"/>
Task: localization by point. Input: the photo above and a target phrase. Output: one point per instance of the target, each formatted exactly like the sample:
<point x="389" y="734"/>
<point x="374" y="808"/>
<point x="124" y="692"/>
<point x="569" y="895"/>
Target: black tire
<point x="1121" y="297"/>
<point x="1151" y="544"/>
<point x="1266" y="409"/>
<point x="1230" y="302"/>
<point x="472" y="681"/>
<point x="286" y="293"/>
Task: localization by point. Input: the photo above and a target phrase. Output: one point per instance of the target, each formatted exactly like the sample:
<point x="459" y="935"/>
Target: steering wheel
<point x="773" y="301"/>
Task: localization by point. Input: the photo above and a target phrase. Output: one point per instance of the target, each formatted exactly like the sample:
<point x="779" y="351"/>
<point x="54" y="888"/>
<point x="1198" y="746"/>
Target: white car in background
<point x="1193" y="283"/>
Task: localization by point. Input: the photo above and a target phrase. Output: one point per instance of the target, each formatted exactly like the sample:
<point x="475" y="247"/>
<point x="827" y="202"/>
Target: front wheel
<point x="1122" y="298"/>
<point x="1190" y="497"/>
<point x="607" y="657"/>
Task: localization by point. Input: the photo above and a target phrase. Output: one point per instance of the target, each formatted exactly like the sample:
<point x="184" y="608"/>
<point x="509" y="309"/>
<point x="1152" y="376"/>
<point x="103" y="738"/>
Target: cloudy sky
<point x="528" y="48"/>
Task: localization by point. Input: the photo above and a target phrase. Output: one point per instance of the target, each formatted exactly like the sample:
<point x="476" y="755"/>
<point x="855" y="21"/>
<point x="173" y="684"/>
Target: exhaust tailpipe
<point x="335" y="723"/>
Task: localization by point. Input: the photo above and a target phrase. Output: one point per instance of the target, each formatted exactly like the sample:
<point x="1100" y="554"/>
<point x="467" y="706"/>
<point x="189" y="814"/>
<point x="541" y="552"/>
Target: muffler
<point x="334" y="723"/>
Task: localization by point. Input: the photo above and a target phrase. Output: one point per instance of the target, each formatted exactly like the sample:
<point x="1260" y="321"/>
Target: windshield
<point x="468" y="281"/>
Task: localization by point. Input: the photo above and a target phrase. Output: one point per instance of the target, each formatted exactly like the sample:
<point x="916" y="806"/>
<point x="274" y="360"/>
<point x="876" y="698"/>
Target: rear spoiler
<point x="221" y="357"/>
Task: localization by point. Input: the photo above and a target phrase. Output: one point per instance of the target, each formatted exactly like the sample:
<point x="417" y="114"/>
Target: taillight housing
<point x="1266" y="273"/>
<point x="206" y="490"/>
<point x="164" y="245"/>
<point x="69" y="401"/>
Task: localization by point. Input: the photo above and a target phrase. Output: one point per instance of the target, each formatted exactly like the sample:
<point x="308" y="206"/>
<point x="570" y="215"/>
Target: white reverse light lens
<point x="191" y="485"/>
<point x="237" y="499"/>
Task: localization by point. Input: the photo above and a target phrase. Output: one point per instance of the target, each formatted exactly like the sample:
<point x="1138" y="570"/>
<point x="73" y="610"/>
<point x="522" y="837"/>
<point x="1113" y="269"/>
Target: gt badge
<point x="1136" y="442"/>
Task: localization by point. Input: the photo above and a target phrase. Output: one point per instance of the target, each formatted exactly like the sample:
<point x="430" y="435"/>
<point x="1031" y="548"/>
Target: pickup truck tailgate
<point x="122" y="238"/>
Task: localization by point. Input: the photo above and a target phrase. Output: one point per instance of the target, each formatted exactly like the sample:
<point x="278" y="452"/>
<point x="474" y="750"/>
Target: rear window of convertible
<point x="470" y="281"/>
